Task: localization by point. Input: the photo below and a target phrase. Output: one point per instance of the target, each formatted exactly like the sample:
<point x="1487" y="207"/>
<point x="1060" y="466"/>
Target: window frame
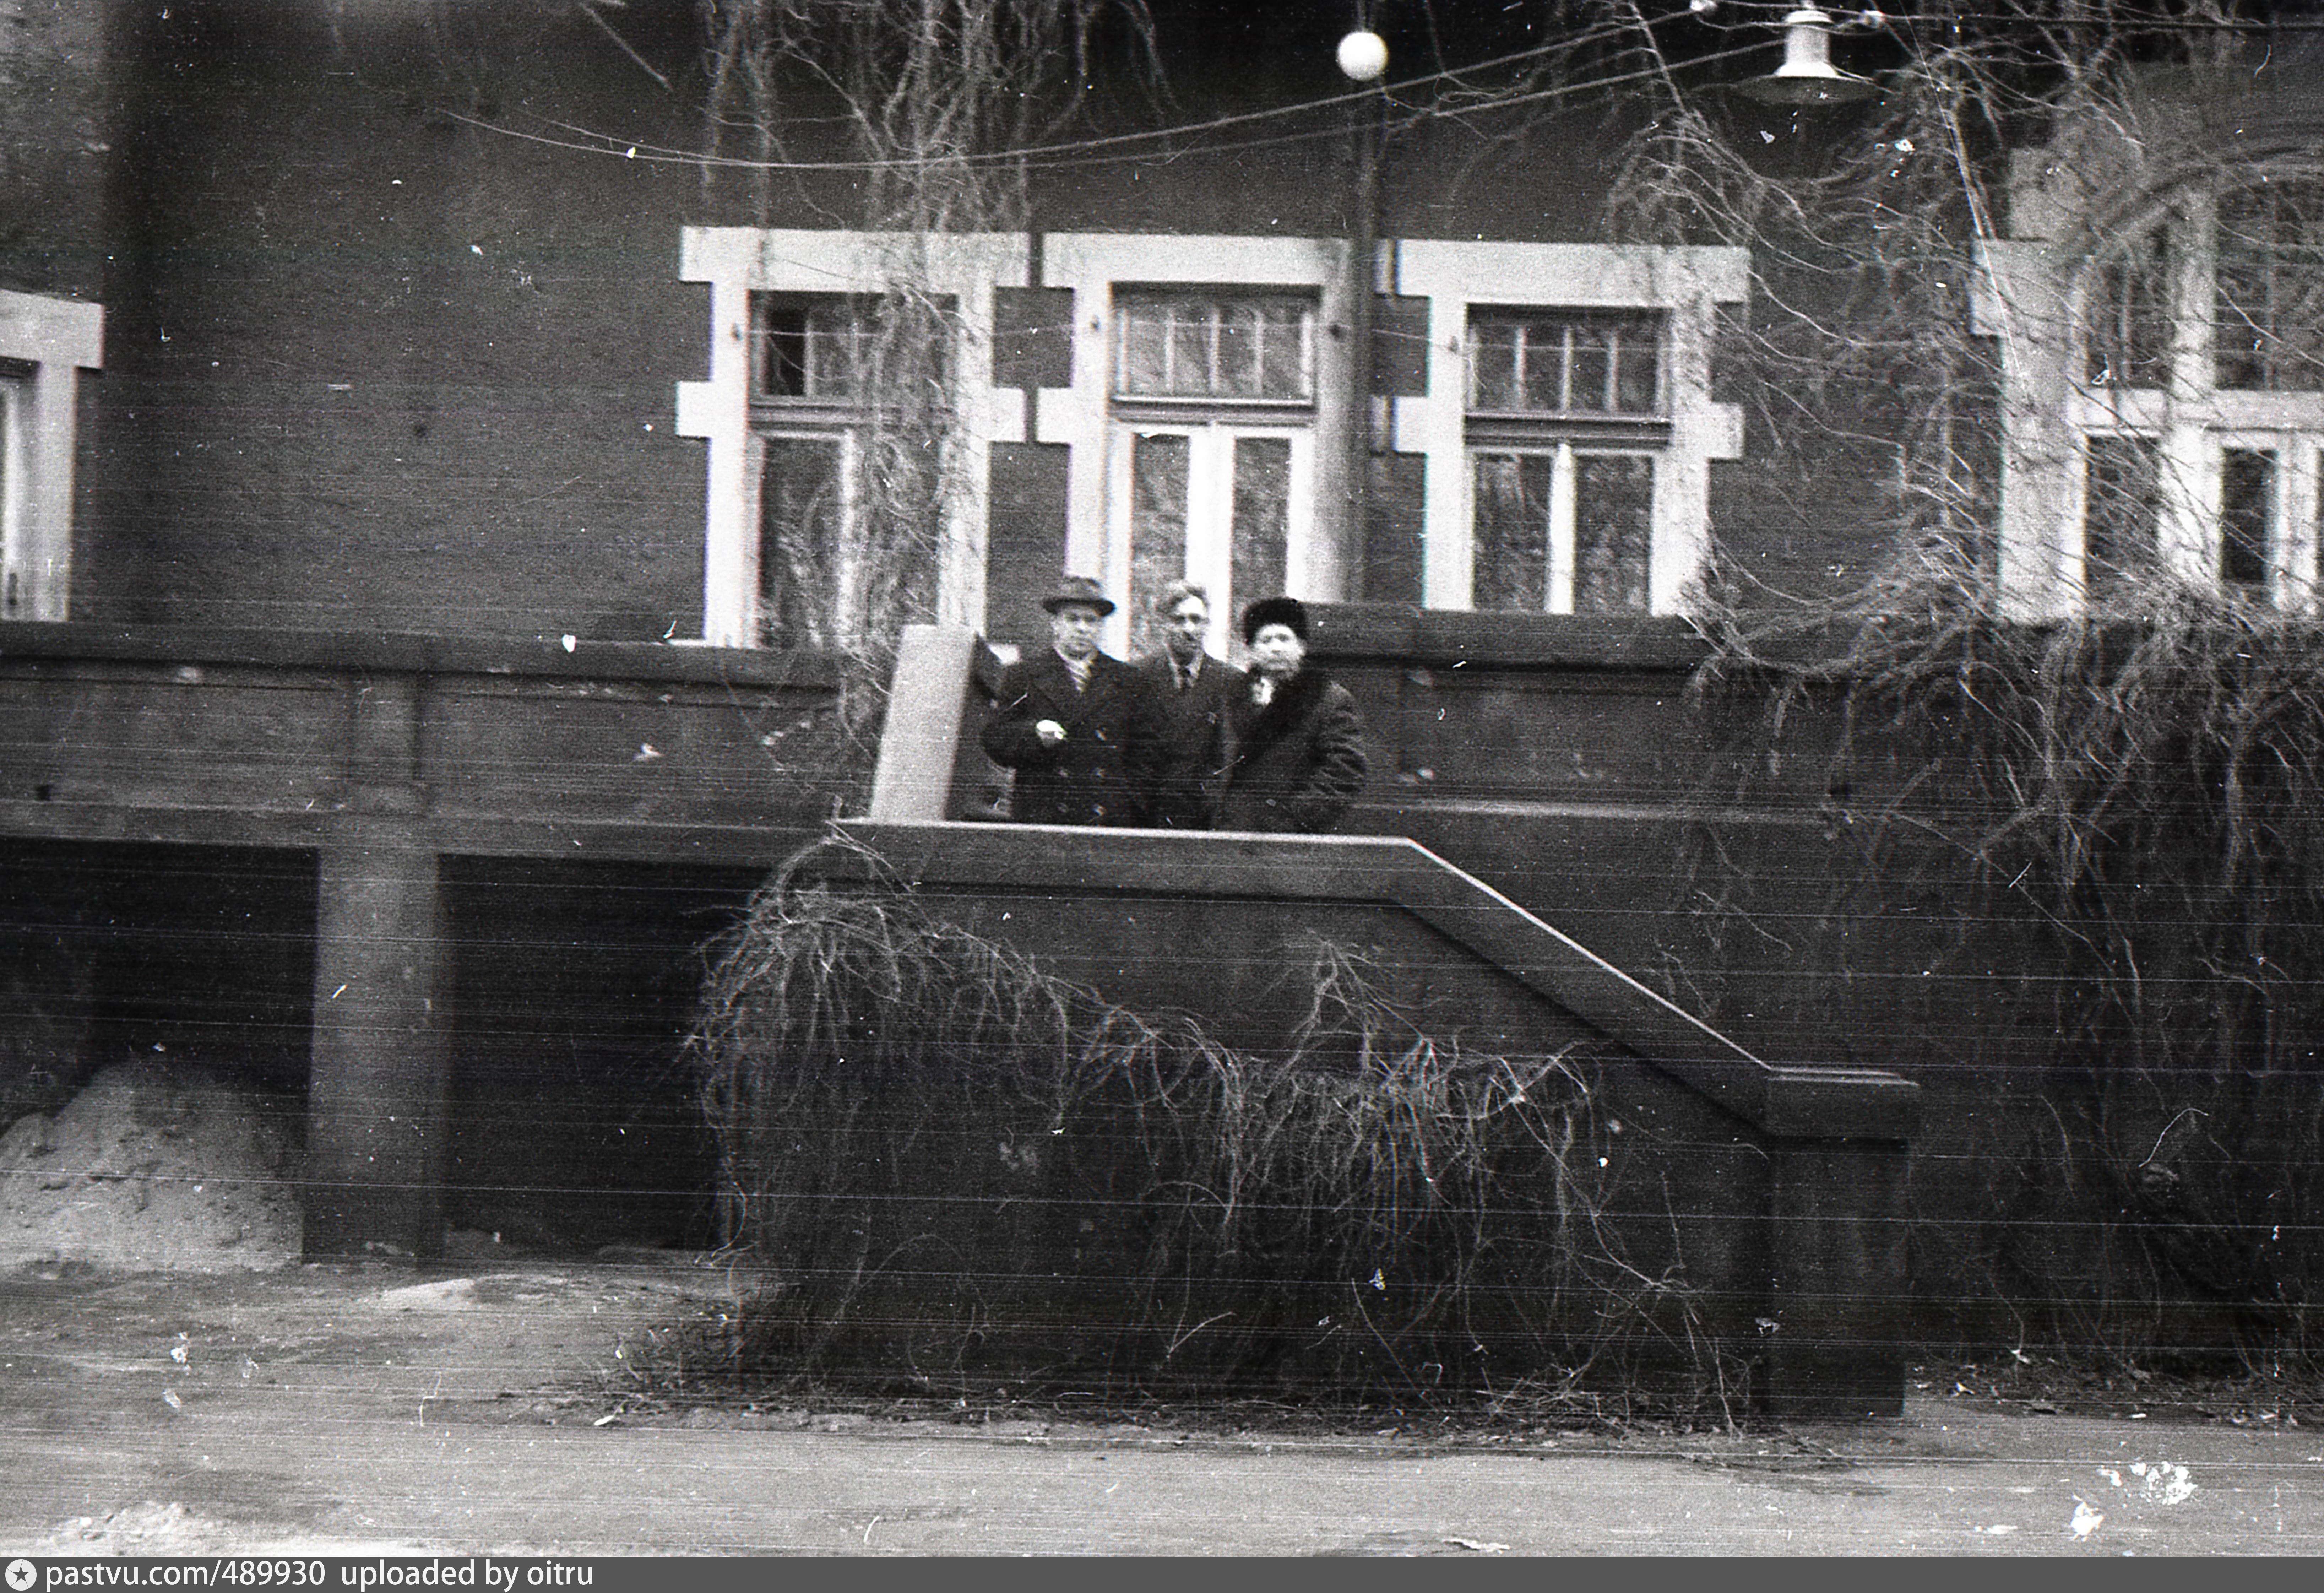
<point x="767" y="599"/>
<point x="45" y="343"/>
<point x="1129" y="400"/>
<point x="1564" y="435"/>
<point x="1209" y="553"/>
<point x="15" y="404"/>
<point x="735" y="419"/>
<point x="840" y="403"/>
<point x="1562" y="542"/>
<point x="2288" y="578"/>
<point x="1079" y="412"/>
<point x="2309" y="188"/>
<point x="2129" y="566"/>
<point x="1214" y="425"/>
<point x="2195" y="423"/>
<point x="1470" y="285"/>
<point x="1568" y="319"/>
<point x="840" y="416"/>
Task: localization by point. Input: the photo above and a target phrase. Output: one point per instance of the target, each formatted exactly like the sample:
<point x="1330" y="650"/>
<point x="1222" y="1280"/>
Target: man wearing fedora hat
<point x="1064" y="718"/>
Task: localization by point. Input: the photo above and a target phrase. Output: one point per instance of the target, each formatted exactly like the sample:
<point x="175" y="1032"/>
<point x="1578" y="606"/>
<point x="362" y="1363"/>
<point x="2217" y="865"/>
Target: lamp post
<point x="1362" y="56"/>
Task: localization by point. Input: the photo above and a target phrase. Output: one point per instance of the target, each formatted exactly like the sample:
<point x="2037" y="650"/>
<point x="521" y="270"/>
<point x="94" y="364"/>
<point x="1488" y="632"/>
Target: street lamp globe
<point x="1363" y="56"/>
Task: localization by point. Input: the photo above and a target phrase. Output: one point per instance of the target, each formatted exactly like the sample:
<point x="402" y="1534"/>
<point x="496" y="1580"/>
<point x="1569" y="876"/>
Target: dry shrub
<point x="929" y="99"/>
<point x="2140" y="1222"/>
<point x="2123" y="814"/>
<point x="949" y="1170"/>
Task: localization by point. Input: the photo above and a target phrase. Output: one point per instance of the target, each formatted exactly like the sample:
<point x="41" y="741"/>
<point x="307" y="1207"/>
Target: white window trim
<point x="1686" y="284"/>
<point x="1080" y="416"/>
<point x="2031" y="296"/>
<point x="58" y="338"/>
<point x="2021" y="299"/>
<point x="2191" y="532"/>
<point x="16" y="405"/>
<point x="739" y="260"/>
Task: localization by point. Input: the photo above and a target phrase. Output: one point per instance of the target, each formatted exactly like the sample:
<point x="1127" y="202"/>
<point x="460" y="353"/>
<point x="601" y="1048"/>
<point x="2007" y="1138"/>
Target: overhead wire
<point x="1140" y="146"/>
<point x="1843" y="18"/>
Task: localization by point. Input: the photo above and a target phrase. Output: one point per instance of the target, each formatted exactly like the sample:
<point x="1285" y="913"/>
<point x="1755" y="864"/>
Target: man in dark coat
<point x="1064" y="719"/>
<point x="1179" y="758"/>
<point x="1296" y="756"/>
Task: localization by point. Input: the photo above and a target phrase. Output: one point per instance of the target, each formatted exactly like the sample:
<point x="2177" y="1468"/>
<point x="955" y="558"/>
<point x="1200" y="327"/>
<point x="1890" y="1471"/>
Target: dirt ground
<point x="495" y="1410"/>
<point x="204" y="1378"/>
<point x="152" y="1166"/>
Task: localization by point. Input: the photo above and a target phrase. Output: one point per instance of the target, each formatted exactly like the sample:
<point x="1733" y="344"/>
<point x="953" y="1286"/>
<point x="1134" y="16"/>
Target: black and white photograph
<point x="1231" y="779"/>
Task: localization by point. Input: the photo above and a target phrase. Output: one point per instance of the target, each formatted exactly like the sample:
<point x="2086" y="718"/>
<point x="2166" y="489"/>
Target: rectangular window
<point x="1259" y="533"/>
<point x="12" y="409"/>
<point x="1212" y="444"/>
<point x="804" y="510"/>
<point x="828" y="347"/>
<point x="1512" y="531"/>
<point x="1562" y="531"/>
<point x="2247" y="493"/>
<point x="1158" y="527"/>
<point x="850" y="399"/>
<point x="2269" y="320"/>
<point x="810" y="347"/>
<point x="2129" y="317"/>
<point x="1562" y="519"/>
<point x="1212" y="346"/>
<point x="2122" y="510"/>
<point x="1613" y="530"/>
<point x="1219" y="505"/>
<point x="1565" y="363"/>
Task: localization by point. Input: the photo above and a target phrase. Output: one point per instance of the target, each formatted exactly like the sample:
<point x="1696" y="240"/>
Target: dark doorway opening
<point x="574" y="1123"/>
<point x="203" y="956"/>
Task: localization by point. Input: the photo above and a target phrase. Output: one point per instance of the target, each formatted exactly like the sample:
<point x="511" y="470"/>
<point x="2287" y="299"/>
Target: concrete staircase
<point x="1782" y="1185"/>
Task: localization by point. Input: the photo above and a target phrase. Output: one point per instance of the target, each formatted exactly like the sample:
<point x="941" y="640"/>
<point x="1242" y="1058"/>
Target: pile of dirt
<point x="154" y="1166"/>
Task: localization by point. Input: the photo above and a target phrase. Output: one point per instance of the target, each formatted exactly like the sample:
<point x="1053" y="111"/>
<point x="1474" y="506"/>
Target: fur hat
<point x="1274" y="611"/>
<point x="1079" y="588"/>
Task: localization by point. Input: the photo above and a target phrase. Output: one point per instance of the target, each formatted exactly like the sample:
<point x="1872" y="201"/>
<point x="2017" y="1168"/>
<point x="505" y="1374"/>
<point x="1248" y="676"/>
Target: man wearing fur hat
<point x="1064" y="718"/>
<point x="1297" y="761"/>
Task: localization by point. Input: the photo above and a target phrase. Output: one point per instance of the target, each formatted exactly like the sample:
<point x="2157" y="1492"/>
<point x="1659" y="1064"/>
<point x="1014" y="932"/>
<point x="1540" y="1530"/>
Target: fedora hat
<point x="1079" y="588"/>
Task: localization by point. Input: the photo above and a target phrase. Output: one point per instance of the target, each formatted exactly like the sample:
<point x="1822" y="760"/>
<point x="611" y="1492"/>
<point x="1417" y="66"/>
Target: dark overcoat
<point x="1296" y="764"/>
<point x="1085" y="778"/>
<point x="1179" y="760"/>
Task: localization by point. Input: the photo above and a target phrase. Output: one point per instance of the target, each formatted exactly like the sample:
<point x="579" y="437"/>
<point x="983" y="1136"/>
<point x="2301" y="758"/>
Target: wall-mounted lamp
<point x="1807" y="77"/>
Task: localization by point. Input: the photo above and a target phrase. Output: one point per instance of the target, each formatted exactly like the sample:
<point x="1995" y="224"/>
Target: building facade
<point x="433" y="456"/>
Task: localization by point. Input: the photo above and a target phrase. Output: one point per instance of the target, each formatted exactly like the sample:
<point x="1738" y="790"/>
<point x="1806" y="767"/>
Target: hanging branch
<point x="2131" y="796"/>
<point x="927" y="92"/>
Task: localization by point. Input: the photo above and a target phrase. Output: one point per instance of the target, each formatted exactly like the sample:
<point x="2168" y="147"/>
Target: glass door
<point x="1226" y="506"/>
